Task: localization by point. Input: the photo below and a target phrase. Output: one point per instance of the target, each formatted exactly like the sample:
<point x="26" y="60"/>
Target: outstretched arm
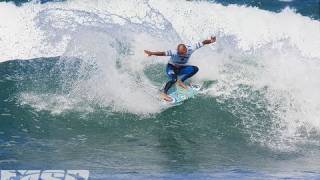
<point x="151" y="53"/>
<point x="198" y="45"/>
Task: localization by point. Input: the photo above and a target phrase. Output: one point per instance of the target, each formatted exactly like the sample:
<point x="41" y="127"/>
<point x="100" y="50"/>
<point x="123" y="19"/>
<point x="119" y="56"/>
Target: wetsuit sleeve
<point x="169" y="53"/>
<point x="196" y="46"/>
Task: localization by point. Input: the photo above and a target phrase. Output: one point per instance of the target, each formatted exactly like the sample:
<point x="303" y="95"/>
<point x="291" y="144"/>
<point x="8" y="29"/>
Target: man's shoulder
<point x="171" y="52"/>
<point x="190" y="48"/>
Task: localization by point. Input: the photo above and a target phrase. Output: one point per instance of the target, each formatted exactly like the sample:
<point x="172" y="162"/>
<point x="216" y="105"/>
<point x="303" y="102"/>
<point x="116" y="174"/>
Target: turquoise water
<point x="78" y="93"/>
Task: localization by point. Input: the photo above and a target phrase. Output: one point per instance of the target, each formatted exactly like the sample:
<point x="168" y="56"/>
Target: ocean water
<point x="77" y="92"/>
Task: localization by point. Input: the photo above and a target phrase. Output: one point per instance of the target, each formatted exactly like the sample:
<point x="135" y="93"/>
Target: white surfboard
<point x="180" y="94"/>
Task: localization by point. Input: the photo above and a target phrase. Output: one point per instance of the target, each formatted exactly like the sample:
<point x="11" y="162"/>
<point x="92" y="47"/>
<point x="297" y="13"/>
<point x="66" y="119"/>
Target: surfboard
<point x="180" y="94"/>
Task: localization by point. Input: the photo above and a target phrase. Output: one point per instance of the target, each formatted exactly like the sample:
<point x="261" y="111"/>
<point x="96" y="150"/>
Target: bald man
<point x="177" y="68"/>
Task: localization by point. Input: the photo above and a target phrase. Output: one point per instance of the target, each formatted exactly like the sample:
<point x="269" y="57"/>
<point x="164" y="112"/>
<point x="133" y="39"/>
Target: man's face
<point x="182" y="49"/>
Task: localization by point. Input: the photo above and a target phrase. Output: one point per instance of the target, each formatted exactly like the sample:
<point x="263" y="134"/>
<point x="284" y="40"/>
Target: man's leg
<point x="171" y="72"/>
<point x="187" y="72"/>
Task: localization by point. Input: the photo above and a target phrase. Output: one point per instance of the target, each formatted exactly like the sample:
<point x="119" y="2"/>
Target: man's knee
<point x="195" y="69"/>
<point x="174" y="79"/>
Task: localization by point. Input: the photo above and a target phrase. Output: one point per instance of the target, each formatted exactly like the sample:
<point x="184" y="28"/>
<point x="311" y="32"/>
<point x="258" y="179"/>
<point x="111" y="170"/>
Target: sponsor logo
<point x="44" y="174"/>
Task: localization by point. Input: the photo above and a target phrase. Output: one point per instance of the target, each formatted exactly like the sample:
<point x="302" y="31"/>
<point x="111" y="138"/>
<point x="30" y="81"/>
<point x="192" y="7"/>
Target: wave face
<point x="87" y="73"/>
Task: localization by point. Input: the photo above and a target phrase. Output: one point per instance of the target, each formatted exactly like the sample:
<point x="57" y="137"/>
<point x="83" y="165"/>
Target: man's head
<point x="182" y="49"/>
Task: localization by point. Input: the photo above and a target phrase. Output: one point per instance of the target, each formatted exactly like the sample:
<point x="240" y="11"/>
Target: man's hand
<point x="210" y="40"/>
<point x="213" y="39"/>
<point x="148" y="53"/>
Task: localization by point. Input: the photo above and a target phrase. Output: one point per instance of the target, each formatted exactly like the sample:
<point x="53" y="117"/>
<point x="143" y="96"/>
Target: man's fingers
<point x="213" y="38"/>
<point x="147" y="53"/>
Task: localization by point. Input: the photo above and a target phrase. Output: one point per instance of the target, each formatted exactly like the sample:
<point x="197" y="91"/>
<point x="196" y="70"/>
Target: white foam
<point x="118" y="80"/>
<point x="252" y="27"/>
<point x="21" y="37"/>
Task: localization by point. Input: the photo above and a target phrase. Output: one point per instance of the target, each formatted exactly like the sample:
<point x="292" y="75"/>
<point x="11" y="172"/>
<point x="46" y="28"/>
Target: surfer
<point x="177" y="65"/>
